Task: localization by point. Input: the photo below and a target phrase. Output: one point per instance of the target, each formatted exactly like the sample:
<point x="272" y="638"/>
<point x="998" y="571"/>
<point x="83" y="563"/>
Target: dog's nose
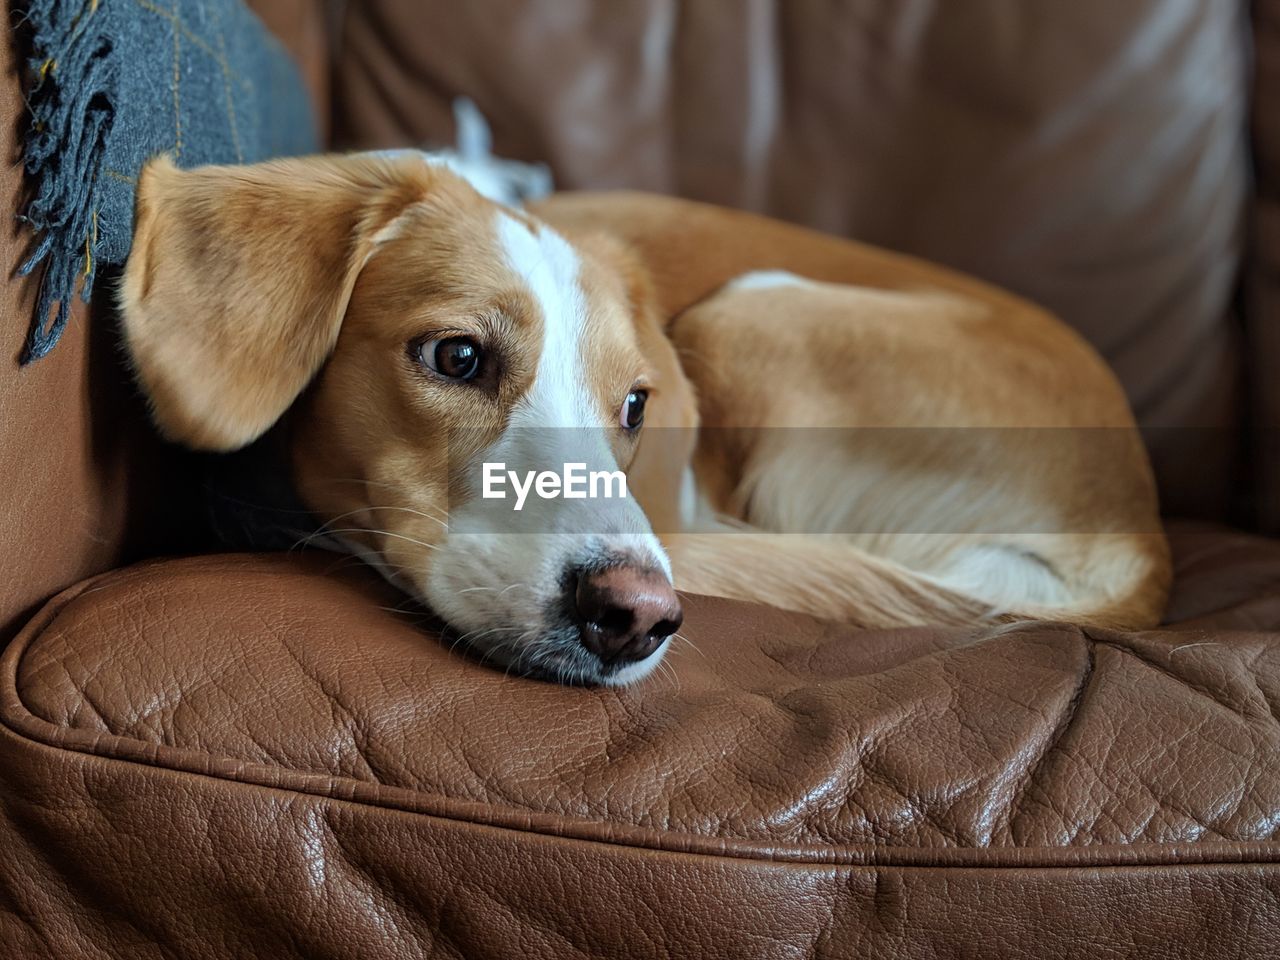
<point x="626" y="612"/>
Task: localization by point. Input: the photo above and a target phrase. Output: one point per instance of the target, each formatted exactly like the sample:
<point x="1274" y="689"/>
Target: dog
<point x="800" y="420"/>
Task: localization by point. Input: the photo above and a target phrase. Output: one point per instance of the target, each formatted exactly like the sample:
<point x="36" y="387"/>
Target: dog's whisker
<point x="497" y="648"/>
<point x="348" y="560"/>
<point x="411" y="602"/>
<point x="500" y="591"/>
<point x="689" y="643"/>
<point x="667" y="672"/>
<point x="370" y="530"/>
<point x="440" y="518"/>
<point x="401" y="611"/>
<point x="472" y="636"/>
<point x="511" y="662"/>
<point x="465" y="637"/>
<point x="372" y="508"/>
<point x="433" y="517"/>
<point x="343" y="561"/>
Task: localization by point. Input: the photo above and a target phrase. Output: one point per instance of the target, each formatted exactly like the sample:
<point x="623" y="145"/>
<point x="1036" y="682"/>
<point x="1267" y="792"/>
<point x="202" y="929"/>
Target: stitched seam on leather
<point x="1179" y="857"/>
<point x="100" y="747"/>
<point x="1171" y="855"/>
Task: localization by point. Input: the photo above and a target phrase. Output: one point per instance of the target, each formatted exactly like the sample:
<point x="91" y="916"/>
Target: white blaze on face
<point x="559" y="420"/>
<point x="549" y="267"/>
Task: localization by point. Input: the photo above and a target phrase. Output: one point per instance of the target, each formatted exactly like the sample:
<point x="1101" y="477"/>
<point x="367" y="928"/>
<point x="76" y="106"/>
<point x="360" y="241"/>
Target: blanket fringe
<point x="72" y="102"/>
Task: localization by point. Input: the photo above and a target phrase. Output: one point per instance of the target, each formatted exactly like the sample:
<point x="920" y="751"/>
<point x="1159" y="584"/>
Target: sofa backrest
<point x="1091" y="155"/>
<point x="1263" y="291"/>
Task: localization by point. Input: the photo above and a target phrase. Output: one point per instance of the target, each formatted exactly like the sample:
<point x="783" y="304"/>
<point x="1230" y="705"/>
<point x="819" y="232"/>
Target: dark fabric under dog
<point x="116" y="82"/>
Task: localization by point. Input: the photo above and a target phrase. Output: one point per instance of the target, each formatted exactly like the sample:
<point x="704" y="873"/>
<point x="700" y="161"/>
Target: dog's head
<point x="417" y="332"/>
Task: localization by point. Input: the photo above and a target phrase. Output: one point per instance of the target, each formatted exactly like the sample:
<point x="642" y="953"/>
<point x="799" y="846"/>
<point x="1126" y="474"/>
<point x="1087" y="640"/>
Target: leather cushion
<point x="1089" y="155"/>
<point x="283" y="691"/>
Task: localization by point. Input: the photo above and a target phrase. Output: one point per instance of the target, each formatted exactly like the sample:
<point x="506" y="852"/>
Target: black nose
<point x="626" y="612"/>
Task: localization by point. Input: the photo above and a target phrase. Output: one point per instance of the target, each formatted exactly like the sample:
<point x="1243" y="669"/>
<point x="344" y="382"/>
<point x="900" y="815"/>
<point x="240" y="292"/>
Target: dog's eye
<point x="633" y="409"/>
<point x="457" y="358"/>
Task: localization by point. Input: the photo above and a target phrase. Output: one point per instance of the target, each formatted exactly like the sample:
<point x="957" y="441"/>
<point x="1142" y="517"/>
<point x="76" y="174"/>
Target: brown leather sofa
<point x="235" y="756"/>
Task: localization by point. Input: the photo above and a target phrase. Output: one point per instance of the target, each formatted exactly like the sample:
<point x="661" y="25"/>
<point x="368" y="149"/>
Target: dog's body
<point x="909" y="413"/>
<point x="829" y="428"/>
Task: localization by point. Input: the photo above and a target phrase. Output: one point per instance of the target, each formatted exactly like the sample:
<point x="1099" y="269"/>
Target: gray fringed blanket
<point x="116" y="82"/>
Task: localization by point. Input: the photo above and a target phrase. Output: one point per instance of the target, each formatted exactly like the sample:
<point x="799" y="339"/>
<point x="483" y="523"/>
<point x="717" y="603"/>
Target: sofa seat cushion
<point x="280" y="687"/>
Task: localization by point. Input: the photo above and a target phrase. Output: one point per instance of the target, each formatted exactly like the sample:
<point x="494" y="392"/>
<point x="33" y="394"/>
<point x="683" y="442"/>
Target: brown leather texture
<point x="270" y="756"/>
<point x="1090" y="155"/>
<point x="80" y="465"/>
<point x="71" y="427"/>
<point x="1263" y="290"/>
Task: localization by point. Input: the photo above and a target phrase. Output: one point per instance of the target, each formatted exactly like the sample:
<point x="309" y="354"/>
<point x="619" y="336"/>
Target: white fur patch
<point x="503" y="181"/>
<point x="769" y="279"/>
<point x="560" y="396"/>
<point x="1006" y="576"/>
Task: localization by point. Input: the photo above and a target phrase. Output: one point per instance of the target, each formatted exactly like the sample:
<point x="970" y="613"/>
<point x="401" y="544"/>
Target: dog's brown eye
<point x="633" y="409"/>
<point x="457" y="358"/>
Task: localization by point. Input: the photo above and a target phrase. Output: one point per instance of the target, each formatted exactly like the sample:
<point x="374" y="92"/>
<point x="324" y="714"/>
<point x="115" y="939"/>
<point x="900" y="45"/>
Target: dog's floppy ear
<point x="239" y="277"/>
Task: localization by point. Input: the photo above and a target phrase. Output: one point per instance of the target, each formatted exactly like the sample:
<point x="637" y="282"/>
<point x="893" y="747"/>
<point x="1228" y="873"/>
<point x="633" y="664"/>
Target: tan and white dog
<point x="803" y="421"/>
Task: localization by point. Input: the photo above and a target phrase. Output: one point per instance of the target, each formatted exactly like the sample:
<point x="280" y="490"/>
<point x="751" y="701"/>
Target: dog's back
<point x="963" y="436"/>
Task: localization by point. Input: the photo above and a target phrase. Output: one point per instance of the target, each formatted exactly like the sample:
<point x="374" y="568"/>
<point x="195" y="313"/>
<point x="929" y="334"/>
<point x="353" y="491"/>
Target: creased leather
<point x="359" y="789"/>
